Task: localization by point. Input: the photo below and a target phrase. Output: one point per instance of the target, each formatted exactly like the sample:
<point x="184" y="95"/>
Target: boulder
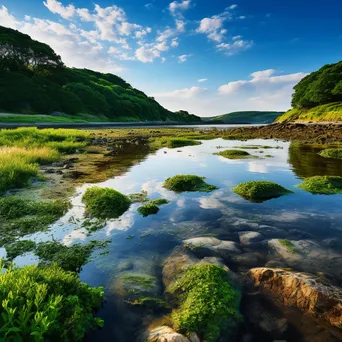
<point x="248" y="237"/>
<point x="307" y="292"/>
<point x="163" y="334"/>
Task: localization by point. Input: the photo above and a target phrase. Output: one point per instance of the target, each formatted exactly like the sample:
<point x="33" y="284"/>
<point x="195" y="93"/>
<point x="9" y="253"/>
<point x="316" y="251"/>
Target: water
<point x="312" y="219"/>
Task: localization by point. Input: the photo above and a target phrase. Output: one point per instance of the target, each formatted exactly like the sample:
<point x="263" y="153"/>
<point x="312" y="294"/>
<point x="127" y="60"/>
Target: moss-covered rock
<point x="171" y="142"/>
<point x="148" y="209"/>
<point x="325" y="185"/>
<point x="207" y="302"/>
<point x="181" y="183"/>
<point x="333" y="153"/>
<point x="105" y="202"/>
<point x="260" y="191"/>
<point x="234" y="154"/>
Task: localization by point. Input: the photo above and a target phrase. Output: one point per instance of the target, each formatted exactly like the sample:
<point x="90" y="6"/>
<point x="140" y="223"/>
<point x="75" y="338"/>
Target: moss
<point x="160" y="201"/>
<point x="259" y="191"/>
<point x="105" y="202"/>
<point x="171" y="142"/>
<point x="233" y="154"/>
<point x="334" y="153"/>
<point x="149" y="302"/>
<point x="289" y="245"/>
<point x="207" y="302"/>
<point x="143" y="281"/>
<point x="19" y="248"/>
<point x="181" y="183"/>
<point x="325" y="185"/>
<point x="148" y="209"/>
<point x="138" y="197"/>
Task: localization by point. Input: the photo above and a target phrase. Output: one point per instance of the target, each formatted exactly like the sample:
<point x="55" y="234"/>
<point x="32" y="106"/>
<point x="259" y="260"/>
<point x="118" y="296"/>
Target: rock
<point x="164" y="334"/>
<point x="249" y="237"/>
<point x="210" y="246"/>
<point x="213" y="261"/>
<point x="249" y="260"/>
<point x="304" y="291"/>
<point x="275" y="264"/>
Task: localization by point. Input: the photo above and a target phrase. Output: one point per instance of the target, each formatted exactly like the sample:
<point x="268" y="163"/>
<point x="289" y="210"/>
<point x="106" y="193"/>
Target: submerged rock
<point x="165" y="334"/>
<point x="249" y="237"/>
<point x="301" y="290"/>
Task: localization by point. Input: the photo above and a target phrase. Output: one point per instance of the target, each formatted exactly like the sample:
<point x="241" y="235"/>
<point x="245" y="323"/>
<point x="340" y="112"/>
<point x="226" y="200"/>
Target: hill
<point x="251" y="117"/>
<point x="34" y="80"/>
<point x="317" y="97"/>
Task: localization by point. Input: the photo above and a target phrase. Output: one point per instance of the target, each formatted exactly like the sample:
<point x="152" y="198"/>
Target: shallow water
<point x="221" y="213"/>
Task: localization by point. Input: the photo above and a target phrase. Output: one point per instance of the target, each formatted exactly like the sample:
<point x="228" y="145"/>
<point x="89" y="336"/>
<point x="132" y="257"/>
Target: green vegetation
<point x="34" y="80"/>
<point x="234" y="154"/>
<point x="325" y="185"/>
<point x="334" y="153"/>
<point x="170" y="142"/>
<point x="260" y="191"/>
<point x="160" y="201"/>
<point x="181" y="183"/>
<point x="252" y="117"/>
<point x="289" y="245"/>
<point x="143" y="281"/>
<point x="148" y="209"/>
<point x="208" y="304"/>
<point x="105" y="202"/>
<point x="46" y="304"/>
<point x="19" y="248"/>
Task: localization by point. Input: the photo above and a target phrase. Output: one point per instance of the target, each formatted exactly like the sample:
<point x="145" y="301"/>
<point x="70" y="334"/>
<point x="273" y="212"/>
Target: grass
<point x="260" y="191"/>
<point x="207" y="302"/>
<point x="333" y="153"/>
<point x="172" y="142"/>
<point x="181" y="183"/>
<point x="233" y="154"/>
<point x="105" y="202"/>
<point x="289" y="245"/>
<point x="325" y="185"/>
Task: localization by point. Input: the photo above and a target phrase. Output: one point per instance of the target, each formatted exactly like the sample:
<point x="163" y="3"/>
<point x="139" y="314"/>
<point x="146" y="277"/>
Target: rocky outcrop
<point x="306" y="292"/>
<point x="166" y="334"/>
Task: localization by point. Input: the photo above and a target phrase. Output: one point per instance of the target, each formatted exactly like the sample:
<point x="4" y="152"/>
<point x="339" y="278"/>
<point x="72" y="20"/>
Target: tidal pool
<point x="313" y="223"/>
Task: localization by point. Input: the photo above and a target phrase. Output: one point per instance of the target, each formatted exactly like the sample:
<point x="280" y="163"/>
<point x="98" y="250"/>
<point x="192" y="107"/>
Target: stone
<point x="248" y="237"/>
<point x="308" y="293"/>
<point x="164" y="334"/>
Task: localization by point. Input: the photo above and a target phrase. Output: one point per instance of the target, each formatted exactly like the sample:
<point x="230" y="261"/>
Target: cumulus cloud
<point x="177" y="7"/>
<point x="147" y="55"/>
<point x="57" y="7"/>
<point x="234" y="47"/>
<point x="183" y="58"/>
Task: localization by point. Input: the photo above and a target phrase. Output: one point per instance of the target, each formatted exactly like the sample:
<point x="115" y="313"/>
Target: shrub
<point x="208" y="304"/>
<point x="233" y="154"/>
<point x="182" y="183"/>
<point x="46" y="304"/>
<point x="172" y="142"/>
<point x="325" y="185"/>
<point x="334" y="153"/>
<point x="148" y="209"/>
<point x="105" y="202"/>
<point x="259" y="191"/>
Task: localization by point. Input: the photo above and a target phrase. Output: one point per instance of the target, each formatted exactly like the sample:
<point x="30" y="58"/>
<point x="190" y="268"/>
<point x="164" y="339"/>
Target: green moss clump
<point x="289" y="245"/>
<point x="325" y="185"/>
<point x="148" y="209"/>
<point x="233" y="154"/>
<point x="105" y="202"/>
<point x="160" y="201"/>
<point x="46" y="304"/>
<point x="333" y="153"/>
<point x="181" y="183"/>
<point x="143" y="281"/>
<point x="171" y="142"/>
<point x="19" y="248"/>
<point x="207" y="302"/>
<point x="259" y="191"/>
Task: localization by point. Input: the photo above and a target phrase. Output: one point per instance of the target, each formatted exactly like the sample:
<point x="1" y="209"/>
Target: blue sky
<point x="207" y="57"/>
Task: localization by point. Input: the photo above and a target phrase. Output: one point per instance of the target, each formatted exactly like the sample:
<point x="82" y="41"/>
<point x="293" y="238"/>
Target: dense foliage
<point x="46" y="304"/>
<point x="34" y="80"/>
<point x="320" y="87"/>
<point x="208" y="304"/>
<point x="181" y="183"/>
<point x="325" y="185"/>
<point x="105" y="202"/>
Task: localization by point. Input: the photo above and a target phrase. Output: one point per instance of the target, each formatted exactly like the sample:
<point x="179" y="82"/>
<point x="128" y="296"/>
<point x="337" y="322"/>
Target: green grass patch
<point x="171" y="142"/>
<point x="207" y="302"/>
<point x="333" y="153"/>
<point x="260" y="191"/>
<point x="289" y="245"/>
<point x="234" y="154"/>
<point x="181" y="183"/>
<point x="160" y="201"/>
<point x="46" y="304"/>
<point x="325" y="185"/>
<point x="148" y="209"/>
<point x="105" y="202"/>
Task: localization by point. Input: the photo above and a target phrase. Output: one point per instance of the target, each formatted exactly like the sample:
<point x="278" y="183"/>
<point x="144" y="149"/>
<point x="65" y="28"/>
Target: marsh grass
<point x="325" y="185"/>
<point x="171" y="142"/>
<point x="260" y="191"/>
<point x="234" y="154"/>
<point x="181" y="183"/>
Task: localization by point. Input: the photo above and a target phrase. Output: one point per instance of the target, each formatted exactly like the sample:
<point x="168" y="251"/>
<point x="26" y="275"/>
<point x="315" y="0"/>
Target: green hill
<point x="34" y="80"/>
<point x="317" y="97"/>
<point x="251" y="117"/>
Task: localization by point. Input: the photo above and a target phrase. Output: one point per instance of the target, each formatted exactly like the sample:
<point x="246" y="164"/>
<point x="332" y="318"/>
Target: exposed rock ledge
<point x="301" y="290"/>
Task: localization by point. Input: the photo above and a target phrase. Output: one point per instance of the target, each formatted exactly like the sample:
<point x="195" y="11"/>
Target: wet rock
<point x="164" y="334"/>
<point x="248" y="237"/>
<point x="213" y="261"/>
<point x="275" y="264"/>
<point x="210" y="246"/>
<point x="304" y="291"/>
<point x="251" y="259"/>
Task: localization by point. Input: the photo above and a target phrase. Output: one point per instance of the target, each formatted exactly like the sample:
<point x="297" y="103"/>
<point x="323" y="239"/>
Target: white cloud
<point x="56" y="7"/>
<point x="183" y="58"/>
<point x="233" y="6"/>
<point x="237" y="37"/>
<point x="180" y="25"/>
<point x="211" y="27"/>
<point x="177" y="7"/>
<point x="7" y="19"/>
<point x="242" y="17"/>
<point x="149" y="5"/>
<point x="201" y="80"/>
<point x="162" y="46"/>
<point x="234" y="47"/>
<point x="174" y="42"/>
<point x="163" y="59"/>
<point x="147" y="55"/>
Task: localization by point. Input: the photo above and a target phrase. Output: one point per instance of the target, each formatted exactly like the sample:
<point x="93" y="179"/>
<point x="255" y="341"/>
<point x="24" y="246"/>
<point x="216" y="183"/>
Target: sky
<point x="206" y="57"/>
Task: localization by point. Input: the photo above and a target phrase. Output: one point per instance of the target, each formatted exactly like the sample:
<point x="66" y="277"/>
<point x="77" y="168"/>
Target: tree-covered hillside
<point x="250" y="117"/>
<point x="318" y="96"/>
<point x="33" y="79"/>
